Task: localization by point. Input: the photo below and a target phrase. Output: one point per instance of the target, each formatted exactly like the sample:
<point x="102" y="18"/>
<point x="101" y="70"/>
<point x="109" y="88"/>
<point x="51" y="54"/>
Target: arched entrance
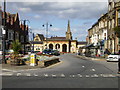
<point x="64" y="48"/>
<point x="57" y="46"/>
<point x="50" y="46"/>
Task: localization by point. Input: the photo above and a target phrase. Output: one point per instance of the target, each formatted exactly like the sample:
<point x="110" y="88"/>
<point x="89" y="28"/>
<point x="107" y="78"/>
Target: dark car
<point x="47" y="51"/>
<point x="55" y="52"/>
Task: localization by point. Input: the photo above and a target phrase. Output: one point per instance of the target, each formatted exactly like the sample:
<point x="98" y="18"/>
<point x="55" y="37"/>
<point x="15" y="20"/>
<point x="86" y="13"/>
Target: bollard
<point x="32" y="59"/>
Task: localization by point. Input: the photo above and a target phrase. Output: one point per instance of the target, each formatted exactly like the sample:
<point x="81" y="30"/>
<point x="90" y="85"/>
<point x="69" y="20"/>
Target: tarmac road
<point x="71" y="72"/>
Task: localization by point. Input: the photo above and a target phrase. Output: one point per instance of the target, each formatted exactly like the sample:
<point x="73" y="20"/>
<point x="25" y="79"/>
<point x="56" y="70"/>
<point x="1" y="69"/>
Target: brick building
<point x="14" y="30"/>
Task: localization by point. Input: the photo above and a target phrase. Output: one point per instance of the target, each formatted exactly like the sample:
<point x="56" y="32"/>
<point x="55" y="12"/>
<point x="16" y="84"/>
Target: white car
<point x="113" y="57"/>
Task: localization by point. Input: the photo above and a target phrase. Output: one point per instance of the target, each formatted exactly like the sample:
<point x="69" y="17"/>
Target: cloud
<point x="55" y="29"/>
<point x="24" y="9"/>
<point x="84" y="13"/>
<point x="37" y="16"/>
<point x="73" y="10"/>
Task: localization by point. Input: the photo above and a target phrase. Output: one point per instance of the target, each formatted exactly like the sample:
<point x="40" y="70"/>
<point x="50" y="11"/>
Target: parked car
<point x="55" y="52"/>
<point x="113" y="57"/>
<point x="47" y="51"/>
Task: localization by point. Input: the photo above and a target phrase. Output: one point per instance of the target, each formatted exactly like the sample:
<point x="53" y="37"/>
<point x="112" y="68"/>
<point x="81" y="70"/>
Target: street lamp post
<point x="47" y="24"/>
<point x="3" y="34"/>
<point x="3" y="46"/>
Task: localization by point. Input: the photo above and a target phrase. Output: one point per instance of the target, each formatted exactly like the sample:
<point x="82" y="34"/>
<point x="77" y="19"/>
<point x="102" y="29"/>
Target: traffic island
<point x="40" y="64"/>
<point x="46" y="63"/>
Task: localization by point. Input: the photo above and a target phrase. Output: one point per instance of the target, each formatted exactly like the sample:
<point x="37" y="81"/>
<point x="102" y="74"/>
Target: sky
<point x="82" y="16"/>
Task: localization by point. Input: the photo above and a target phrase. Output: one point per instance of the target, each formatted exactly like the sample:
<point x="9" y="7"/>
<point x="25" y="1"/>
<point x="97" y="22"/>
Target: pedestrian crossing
<point x="60" y="75"/>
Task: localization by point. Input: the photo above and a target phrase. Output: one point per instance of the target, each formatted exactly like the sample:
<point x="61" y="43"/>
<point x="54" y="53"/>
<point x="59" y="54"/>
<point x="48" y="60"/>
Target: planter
<point x="46" y="63"/>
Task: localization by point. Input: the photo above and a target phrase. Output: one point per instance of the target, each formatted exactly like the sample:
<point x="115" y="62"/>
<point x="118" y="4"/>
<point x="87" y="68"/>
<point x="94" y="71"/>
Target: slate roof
<point x="57" y="38"/>
<point x="82" y="42"/>
<point x="36" y="42"/>
<point x="41" y="37"/>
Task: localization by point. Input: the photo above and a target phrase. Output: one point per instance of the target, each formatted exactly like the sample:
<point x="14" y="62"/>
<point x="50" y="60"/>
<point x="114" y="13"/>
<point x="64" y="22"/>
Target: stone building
<point x="97" y="36"/>
<point x="113" y="42"/>
<point x="106" y="37"/>
<point x="63" y="44"/>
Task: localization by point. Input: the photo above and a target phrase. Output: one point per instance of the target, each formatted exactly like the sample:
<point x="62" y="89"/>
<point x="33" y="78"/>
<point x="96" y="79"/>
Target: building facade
<point x="113" y="43"/>
<point x="102" y="33"/>
<point x="14" y="30"/>
<point x="62" y="44"/>
<point x="97" y="36"/>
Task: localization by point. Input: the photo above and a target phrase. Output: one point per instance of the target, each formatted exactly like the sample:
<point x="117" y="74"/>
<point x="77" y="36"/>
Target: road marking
<point x="46" y="75"/>
<point x="72" y="76"/>
<point x="93" y="70"/>
<point x="35" y="75"/>
<point x="28" y="74"/>
<point x="95" y="75"/>
<point x="79" y="75"/>
<point x="87" y="76"/>
<point x="53" y="75"/>
<point x="83" y="66"/>
<point x="6" y="74"/>
<point x="62" y="75"/>
<point x="18" y="74"/>
<point x="8" y="70"/>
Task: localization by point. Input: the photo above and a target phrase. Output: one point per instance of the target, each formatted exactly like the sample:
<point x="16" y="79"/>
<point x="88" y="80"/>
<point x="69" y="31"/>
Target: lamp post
<point x="3" y="34"/>
<point x="47" y="25"/>
<point x="3" y="46"/>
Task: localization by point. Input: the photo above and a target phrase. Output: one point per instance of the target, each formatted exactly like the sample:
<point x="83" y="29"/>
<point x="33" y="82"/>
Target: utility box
<point x="33" y="59"/>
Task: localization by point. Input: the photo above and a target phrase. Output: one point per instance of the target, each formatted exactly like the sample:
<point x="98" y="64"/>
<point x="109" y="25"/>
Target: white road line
<point x="35" y="75"/>
<point x="72" y="76"/>
<point x="83" y="66"/>
<point x="95" y="75"/>
<point x="18" y="74"/>
<point x="8" y="70"/>
<point x="87" y="75"/>
<point x="53" y="75"/>
<point x="62" y="75"/>
<point x="111" y="75"/>
<point x="28" y="74"/>
<point x="79" y="75"/>
<point x="93" y="70"/>
<point x="6" y="74"/>
<point x="46" y="75"/>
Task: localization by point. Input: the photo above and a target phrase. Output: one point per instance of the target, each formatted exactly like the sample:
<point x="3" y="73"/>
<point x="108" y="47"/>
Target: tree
<point x="16" y="46"/>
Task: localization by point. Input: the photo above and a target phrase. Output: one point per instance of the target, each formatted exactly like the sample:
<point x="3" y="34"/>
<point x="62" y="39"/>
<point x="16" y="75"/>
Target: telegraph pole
<point x="4" y="32"/>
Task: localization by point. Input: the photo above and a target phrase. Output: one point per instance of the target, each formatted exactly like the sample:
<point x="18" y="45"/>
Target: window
<point x="10" y="36"/>
<point x="22" y="39"/>
<point x="0" y="46"/>
<point x="119" y="18"/>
